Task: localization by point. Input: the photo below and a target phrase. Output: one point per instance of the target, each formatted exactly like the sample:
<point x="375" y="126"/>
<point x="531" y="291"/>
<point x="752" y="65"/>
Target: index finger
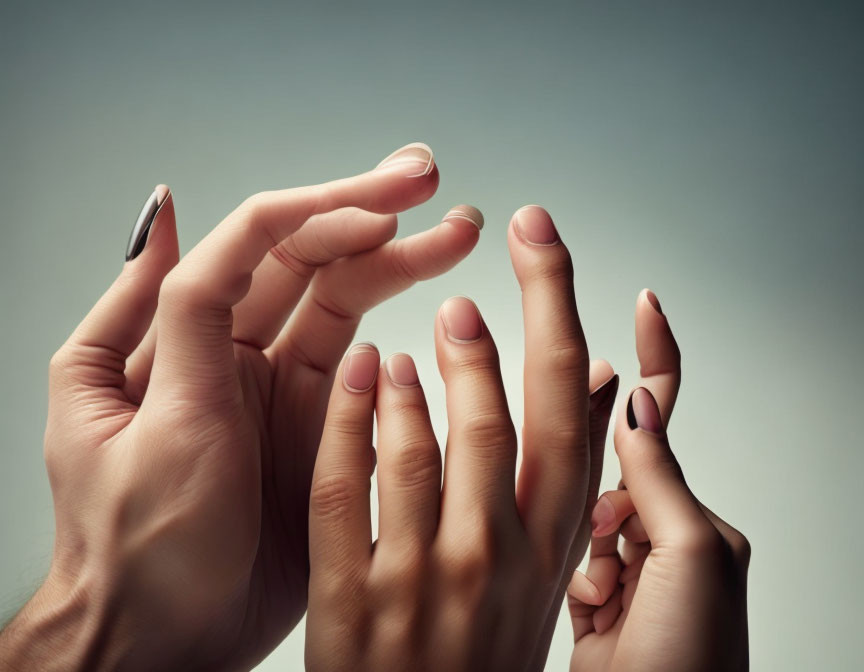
<point x="195" y="302"/>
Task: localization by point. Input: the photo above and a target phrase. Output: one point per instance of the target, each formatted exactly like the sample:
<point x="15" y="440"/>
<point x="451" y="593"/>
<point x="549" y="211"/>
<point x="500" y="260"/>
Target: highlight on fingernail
<point x="603" y="517"/>
<point x="462" y="320"/>
<point x="361" y="367"/>
<point x="144" y="223"/>
<point x="535" y="226"/>
<point x="651" y="297"/>
<point x="468" y="213"/>
<point x="416" y="160"/>
<point x="643" y="412"/>
<point x="401" y="370"/>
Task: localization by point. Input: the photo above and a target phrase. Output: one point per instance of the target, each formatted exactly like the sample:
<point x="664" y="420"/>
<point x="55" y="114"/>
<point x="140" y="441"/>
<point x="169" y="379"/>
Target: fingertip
<point x="465" y="213"/>
<point x="360" y="368"/>
<point x="162" y="192"/>
<point x="401" y="370"/>
<point x="600" y="373"/>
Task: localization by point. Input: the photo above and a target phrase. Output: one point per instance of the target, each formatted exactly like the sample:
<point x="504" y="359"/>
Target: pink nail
<point x="401" y="370"/>
<point x="361" y="367"/>
<point x="414" y="160"/>
<point x="603" y="517"/>
<point x="461" y="320"/>
<point x="535" y="226"/>
<point x="643" y="413"/>
<point x="653" y="300"/>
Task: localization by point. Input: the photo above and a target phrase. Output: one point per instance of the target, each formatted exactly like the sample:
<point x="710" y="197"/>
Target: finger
<point x="668" y="510"/>
<point x="586" y="592"/>
<point x="285" y="273"/>
<point x="195" y="302"/>
<point x="139" y="365"/>
<point x="481" y="446"/>
<point x="409" y="461"/>
<point x="607" y="614"/>
<point x="554" y="477"/>
<point x="327" y="317"/>
<point x="659" y="357"/>
<point x="340" y="528"/>
<point x="95" y="354"/>
<point x="610" y="512"/>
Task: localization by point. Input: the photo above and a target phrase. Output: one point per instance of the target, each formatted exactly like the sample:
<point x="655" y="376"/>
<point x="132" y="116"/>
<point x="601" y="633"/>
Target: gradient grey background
<point x="711" y="151"/>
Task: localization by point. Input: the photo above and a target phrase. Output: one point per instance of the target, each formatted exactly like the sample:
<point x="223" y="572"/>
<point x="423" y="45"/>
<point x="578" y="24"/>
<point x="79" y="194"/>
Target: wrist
<point x="64" y="626"/>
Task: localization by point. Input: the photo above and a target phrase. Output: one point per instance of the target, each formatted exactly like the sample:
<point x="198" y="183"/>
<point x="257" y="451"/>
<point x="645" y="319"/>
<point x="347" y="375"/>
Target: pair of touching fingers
<point x="653" y="508"/>
<point x="449" y="563"/>
<point x="283" y="256"/>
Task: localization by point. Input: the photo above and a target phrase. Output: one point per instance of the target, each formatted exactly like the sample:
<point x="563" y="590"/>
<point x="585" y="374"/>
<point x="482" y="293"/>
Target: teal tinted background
<point x="711" y="151"/>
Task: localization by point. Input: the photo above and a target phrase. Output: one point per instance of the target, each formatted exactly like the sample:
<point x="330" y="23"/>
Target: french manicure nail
<point x="466" y="212"/>
<point x="643" y="413"/>
<point x="415" y="160"/>
<point x="604" y="394"/>
<point x="141" y="230"/>
<point x="535" y="226"/>
<point x="401" y="370"/>
<point x="361" y="367"/>
<point x="461" y="320"/>
<point x="603" y="517"/>
<point x="653" y="300"/>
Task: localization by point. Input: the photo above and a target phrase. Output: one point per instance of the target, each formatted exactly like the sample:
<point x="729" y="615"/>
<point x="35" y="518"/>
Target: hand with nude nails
<point x="468" y="576"/>
<point x="185" y="415"/>
<point x="674" y="597"/>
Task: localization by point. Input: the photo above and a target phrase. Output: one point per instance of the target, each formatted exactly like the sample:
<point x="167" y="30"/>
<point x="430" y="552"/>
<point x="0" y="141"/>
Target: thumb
<point x="667" y="508"/>
<point x="95" y="354"/>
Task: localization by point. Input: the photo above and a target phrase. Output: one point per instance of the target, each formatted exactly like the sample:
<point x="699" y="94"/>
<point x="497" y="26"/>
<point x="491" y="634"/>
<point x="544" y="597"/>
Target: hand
<point x="674" y="597"/>
<point x="180" y="460"/>
<point x="467" y="576"/>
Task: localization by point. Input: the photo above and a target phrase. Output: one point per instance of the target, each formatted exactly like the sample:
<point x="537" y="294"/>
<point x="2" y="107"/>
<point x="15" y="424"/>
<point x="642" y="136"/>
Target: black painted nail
<point x="141" y="230"/>
<point x="604" y="394"/>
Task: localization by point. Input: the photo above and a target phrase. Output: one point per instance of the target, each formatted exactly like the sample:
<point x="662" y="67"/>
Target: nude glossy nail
<point x="602" y="517"/>
<point x="414" y="160"/>
<point x="141" y="230"/>
<point x="401" y="370"/>
<point x="467" y="213"/>
<point x="361" y="367"/>
<point x="643" y="413"/>
<point x="653" y="300"/>
<point x="535" y="226"/>
<point x="461" y="320"/>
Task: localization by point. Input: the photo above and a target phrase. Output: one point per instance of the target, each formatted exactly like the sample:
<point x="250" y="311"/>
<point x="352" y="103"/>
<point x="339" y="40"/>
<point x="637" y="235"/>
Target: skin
<point x="185" y="414"/>
<point x="674" y="597"/>
<point x="467" y="575"/>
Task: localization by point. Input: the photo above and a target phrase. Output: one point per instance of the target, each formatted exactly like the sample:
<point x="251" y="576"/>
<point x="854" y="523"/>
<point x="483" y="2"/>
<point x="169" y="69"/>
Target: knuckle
<point x="401" y="268"/>
<point x="417" y="463"/>
<point x="348" y="425"/>
<point x="568" y="359"/>
<point x="468" y="567"/>
<point x="488" y="430"/>
<point x="477" y="365"/>
<point x="700" y="542"/>
<point x="333" y="496"/>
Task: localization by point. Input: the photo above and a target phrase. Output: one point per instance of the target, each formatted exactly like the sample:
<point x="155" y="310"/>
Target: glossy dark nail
<point x="643" y="413"/>
<point x="604" y="395"/>
<point x="141" y="230"/>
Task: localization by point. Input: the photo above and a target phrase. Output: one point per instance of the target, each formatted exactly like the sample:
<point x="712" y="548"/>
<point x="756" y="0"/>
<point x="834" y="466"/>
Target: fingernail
<point x="603" y="517"/>
<point x="415" y="160"/>
<point x="653" y="300"/>
<point x="361" y="367"/>
<point x="535" y="226"/>
<point x="605" y="394"/>
<point x="466" y="212"/>
<point x="461" y="320"/>
<point x="643" y="413"/>
<point x="401" y="370"/>
<point x="141" y="230"/>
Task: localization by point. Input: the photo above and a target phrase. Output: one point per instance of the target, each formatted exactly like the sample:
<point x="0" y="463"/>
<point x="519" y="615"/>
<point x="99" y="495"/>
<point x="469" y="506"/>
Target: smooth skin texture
<point x="185" y="415"/>
<point x="467" y="575"/>
<point x="674" y="596"/>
